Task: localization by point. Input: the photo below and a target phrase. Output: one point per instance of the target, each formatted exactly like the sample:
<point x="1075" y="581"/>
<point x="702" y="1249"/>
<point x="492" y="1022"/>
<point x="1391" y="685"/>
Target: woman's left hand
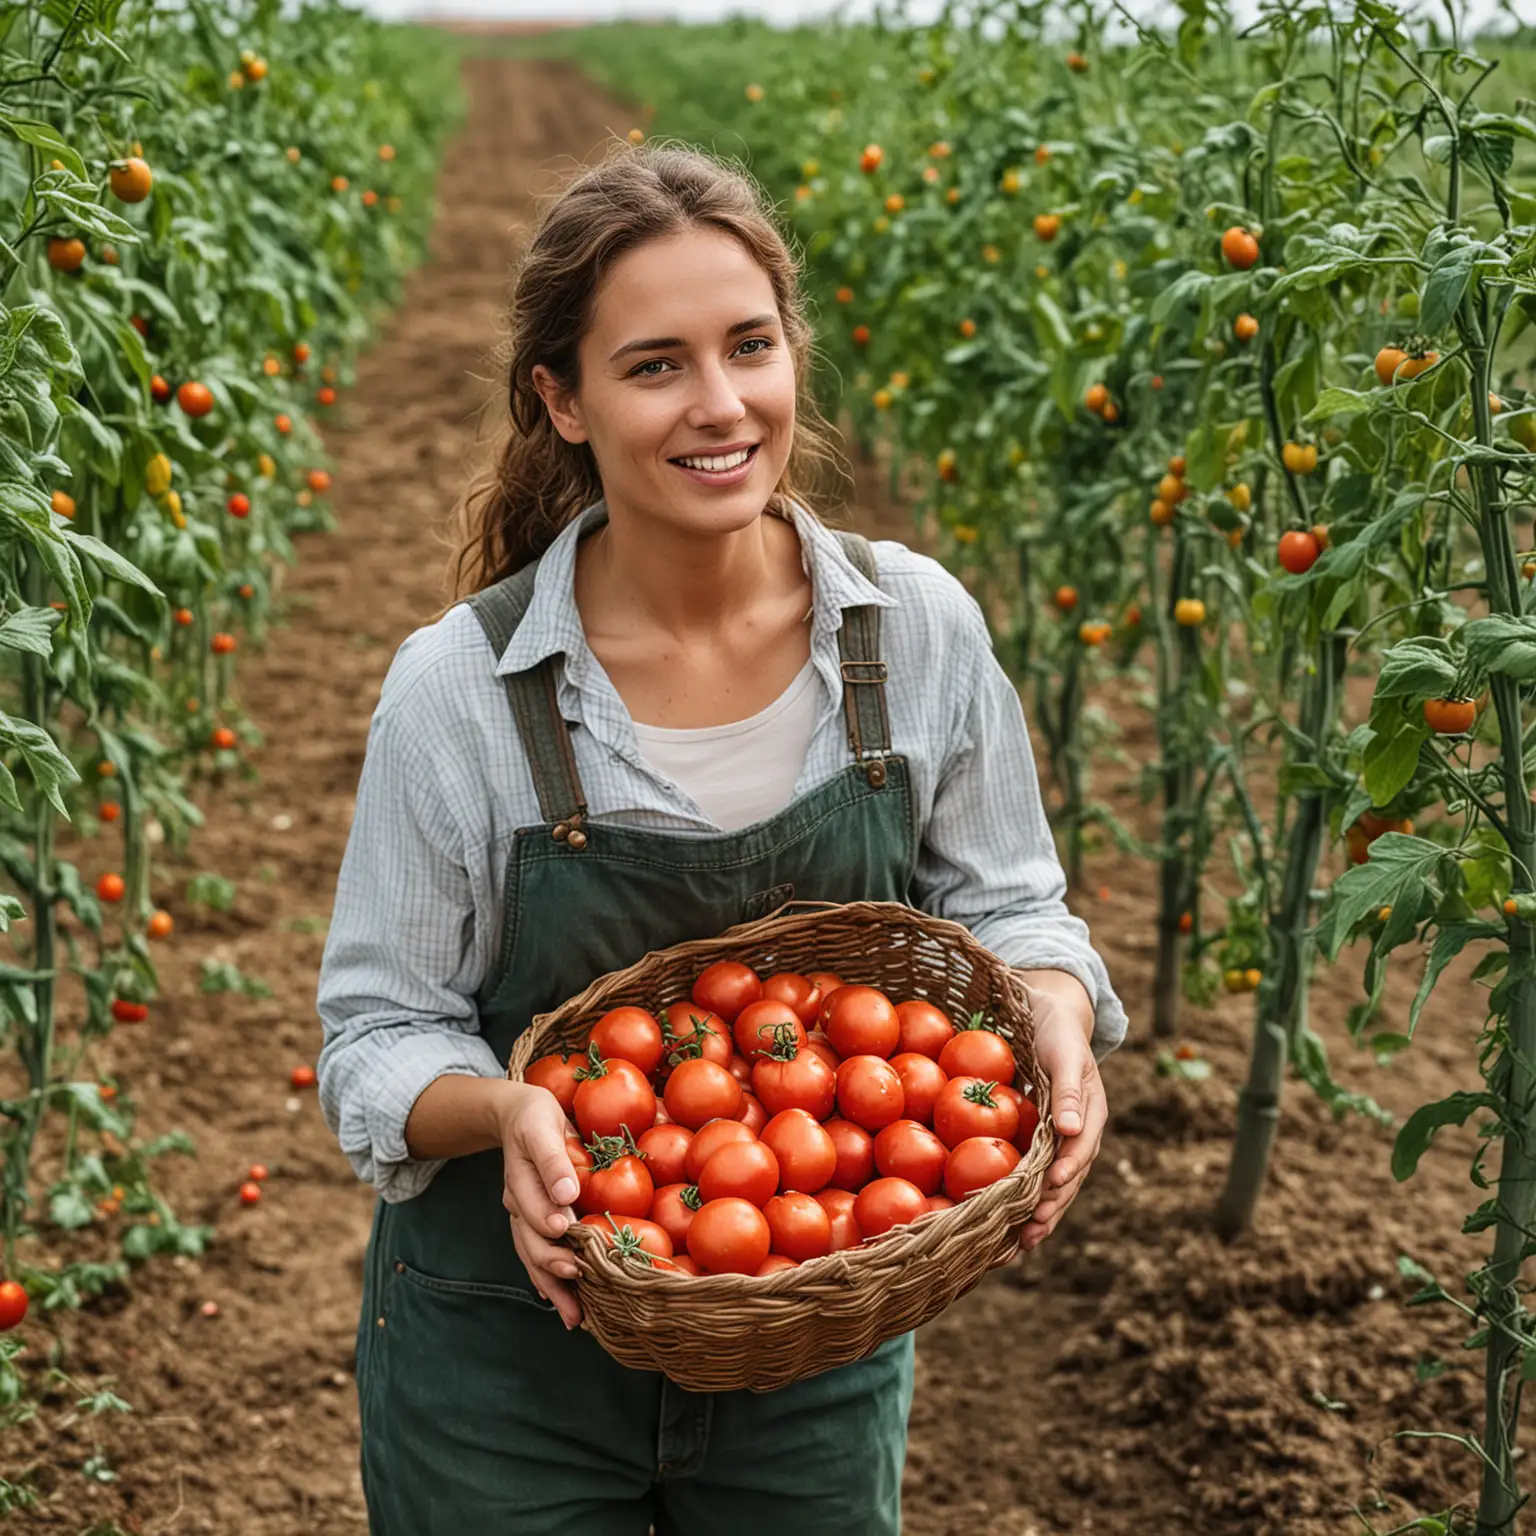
<point x="1079" y="1107"/>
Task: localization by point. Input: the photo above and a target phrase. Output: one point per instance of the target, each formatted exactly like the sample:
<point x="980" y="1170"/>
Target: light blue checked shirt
<point x="445" y="785"/>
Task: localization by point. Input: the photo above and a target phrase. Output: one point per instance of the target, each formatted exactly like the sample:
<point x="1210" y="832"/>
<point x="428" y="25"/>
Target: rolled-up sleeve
<point x="987" y="858"/>
<point x="401" y="966"/>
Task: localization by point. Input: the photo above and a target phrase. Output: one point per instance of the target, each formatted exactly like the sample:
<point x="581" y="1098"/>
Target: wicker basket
<point x="764" y="1332"/>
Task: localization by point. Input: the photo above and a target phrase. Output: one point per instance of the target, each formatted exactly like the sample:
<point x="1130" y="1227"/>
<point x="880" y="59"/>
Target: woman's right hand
<point x="539" y="1189"/>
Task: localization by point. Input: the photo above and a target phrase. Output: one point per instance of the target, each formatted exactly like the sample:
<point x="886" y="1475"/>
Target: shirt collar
<point x="552" y="624"/>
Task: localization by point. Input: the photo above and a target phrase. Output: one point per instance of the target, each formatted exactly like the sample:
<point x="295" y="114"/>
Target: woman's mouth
<point x="719" y="469"/>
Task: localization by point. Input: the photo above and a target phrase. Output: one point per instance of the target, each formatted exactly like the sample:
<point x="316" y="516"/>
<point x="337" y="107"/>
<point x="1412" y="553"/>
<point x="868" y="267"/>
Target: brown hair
<point x="536" y="482"/>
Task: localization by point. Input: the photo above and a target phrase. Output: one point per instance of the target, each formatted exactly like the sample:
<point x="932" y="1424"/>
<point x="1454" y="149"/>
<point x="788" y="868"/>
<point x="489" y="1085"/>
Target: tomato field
<point x="1205" y="358"/>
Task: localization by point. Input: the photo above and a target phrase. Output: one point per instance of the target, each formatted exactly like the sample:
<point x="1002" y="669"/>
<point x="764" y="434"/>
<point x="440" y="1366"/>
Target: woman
<point x="662" y="713"/>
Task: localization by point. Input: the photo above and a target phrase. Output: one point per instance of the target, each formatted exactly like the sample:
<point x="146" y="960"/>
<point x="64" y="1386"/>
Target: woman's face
<point x="685" y="359"/>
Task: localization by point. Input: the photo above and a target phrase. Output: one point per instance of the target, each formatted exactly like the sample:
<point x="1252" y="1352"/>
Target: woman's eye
<point x="639" y="372"/>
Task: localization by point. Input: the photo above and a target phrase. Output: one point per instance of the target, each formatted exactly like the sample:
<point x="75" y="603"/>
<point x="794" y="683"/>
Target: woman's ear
<point x="561" y="404"/>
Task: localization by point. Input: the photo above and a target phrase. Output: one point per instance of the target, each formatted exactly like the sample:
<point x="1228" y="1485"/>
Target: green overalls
<point x="481" y="1414"/>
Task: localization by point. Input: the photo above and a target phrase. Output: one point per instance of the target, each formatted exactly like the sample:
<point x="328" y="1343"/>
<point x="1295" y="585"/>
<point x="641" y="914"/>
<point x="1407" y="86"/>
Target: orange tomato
<point x="1239" y="247"/>
<point x="1450" y="717"/>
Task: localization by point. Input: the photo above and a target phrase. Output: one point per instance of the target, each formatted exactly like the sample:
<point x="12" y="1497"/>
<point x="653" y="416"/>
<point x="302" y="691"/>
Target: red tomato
<point x="752" y="1114"/>
<point x="818" y="1045"/>
<point x="924" y="1029"/>
<point x="740" y="1068"/>
<point x="806" y="1153"/>
<point x="558" y="1074"/>
<point x="614" y="1096"/>
<point x="824" y="982"/>
<point x="700" y="1091"/>
<point x="869" y="1092"/>
<point x="13" y="1304"/>
<point x="693" y="1031"/>
<point x="1029" y="1121"/>
<point x="746" y="1169"/>
<point x="939" y="1203"/>
<point x="775" y="1262"/>
<point x="922" y="1081"/>
<point x="665" y="1147"/>
<point x="729" y="1237"/>
<point x="623" y="1186"/>
<point x="762" y="1025"/>
<point x="1001" y="1091"/>
<point x="969" y="1107"/>
<point x="838" y="1204"/>
<point x="976" y="1163"/>
<point x="855" y="1149"/>
<point x="979" y="1052"/>
<point x="685" y="1264"/>
<point x="800" y="992"/>
<point x="887" y="1203"/>
<point x="709" y="1141"/>
<point x="652" y="1239"/>
<point x="673" y="1211"/>
<point x="907" y="1150"/>
<point x="726" y="987"/>
<point x="799" y="1081"/>
<point x="581" y="1161"/>
<point x="629" y="1034"/>
<point x="799" y="1226"/>
<point x="860" y="1021"/>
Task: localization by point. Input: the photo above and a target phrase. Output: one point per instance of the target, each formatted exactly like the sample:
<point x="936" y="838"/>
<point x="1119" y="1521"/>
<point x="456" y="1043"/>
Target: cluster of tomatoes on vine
<point x="760" y="1123"/>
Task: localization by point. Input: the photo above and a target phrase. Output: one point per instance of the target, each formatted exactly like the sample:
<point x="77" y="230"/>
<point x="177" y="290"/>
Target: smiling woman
<point x="674" y="699"/>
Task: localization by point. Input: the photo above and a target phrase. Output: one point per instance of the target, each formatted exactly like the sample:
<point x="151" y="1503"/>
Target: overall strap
<point x="535" y="702"/>
<point x="869" y="722"/>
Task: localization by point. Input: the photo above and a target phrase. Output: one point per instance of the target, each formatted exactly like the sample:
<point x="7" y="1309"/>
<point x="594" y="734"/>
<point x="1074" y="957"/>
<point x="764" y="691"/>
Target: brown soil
<point x="1133" y="1376"/>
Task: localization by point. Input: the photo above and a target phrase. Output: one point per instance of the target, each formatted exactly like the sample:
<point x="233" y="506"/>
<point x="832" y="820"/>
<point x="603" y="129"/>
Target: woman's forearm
<point x="456" y="1115"/>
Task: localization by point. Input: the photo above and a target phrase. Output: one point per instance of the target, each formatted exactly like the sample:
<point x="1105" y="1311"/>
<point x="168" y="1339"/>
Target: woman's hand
<point x="1063" y="1026"/>
<point x="539" y="1187"/>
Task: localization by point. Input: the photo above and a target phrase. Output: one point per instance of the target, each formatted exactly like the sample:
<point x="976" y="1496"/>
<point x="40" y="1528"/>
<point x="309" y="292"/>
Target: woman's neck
<point x="685" y="591"/>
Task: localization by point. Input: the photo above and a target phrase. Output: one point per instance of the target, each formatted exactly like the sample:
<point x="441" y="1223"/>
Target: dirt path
<point x="1132" y="1378"/>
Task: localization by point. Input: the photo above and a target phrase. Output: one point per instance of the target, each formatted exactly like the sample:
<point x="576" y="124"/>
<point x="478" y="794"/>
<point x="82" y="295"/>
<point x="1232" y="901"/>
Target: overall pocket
<point x="485" y="1414"/>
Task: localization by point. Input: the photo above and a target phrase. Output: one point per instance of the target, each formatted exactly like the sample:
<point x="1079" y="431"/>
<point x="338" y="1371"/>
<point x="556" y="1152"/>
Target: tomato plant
<point x="145" y="270"/>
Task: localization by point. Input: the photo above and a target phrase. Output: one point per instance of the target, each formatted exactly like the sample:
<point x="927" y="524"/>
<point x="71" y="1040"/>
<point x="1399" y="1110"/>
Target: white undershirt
<point x="744" y="771"/>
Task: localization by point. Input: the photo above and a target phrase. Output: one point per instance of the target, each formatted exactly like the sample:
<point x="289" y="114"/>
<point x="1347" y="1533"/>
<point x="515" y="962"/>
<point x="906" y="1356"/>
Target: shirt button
<point x="399" y="1267"/>
<point x="381" y="1322"/>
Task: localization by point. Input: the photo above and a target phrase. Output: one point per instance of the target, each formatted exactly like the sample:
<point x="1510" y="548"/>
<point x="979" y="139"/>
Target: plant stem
<point x="1178" y="660"/>
<point x="35" y="1047"/>
<point x="1501" y="1497"/>
<point x="1283" y="995"/>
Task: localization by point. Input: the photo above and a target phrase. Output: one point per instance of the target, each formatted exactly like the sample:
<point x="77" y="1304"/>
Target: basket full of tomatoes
<point x="795" y="1140"/>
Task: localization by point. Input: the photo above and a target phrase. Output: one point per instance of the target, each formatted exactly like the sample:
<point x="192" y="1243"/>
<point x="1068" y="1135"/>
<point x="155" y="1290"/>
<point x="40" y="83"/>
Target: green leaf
<point x="47" y="139"/>
<point x="1443" y="287"/>
<point x="1391" y="757"/>
<point x="1052" y="322"/>
<point x="1394" y="875"/>
<point x="69" y="1208"/>
<point x="47" y="764"/>
<point x="1339" y="402"/>
<point x="1502" y="646"/>
<point x="1183" y="290"/>
<point x="1417" y="668"/>
<point x="109" y="560"/>
<point x="1449" y="942"/>
<point x="1420" y="1127"/>
<point x="30" y="629"/>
